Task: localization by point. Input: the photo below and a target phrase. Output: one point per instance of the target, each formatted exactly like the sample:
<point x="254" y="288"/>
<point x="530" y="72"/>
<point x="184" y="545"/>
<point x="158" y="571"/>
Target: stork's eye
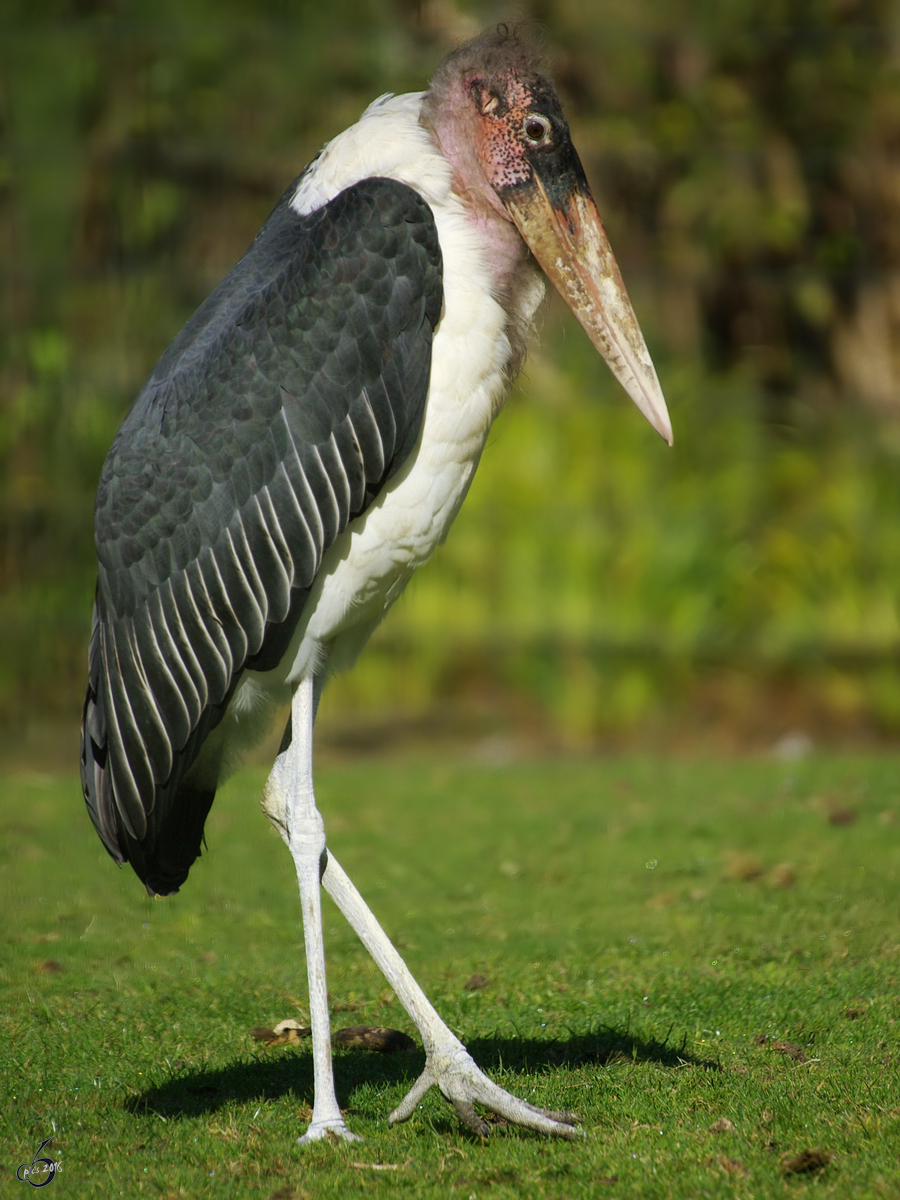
<point x="536" y="130"/>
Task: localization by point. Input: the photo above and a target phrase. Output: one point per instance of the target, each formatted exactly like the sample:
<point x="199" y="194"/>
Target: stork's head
<point x="499" y="122"/>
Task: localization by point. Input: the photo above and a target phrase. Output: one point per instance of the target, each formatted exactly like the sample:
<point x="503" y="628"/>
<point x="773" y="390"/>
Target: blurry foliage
<point x="609" y="580"/>
<point x="747" y="161"/>
<point x="750" y="149"/>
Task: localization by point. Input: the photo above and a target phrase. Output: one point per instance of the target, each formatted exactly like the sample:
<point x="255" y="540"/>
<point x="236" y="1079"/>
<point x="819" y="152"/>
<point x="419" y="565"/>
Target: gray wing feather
<point x="274" y="418"/>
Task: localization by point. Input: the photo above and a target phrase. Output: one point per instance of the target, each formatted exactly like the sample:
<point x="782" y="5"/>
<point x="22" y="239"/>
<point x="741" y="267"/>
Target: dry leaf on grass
<point x="782" y="875"/>
<point x="290" y="1033"/>
<point x="362" y="1037"/>
<point x="476" y="983"/>
<point x="732" y="1166"/>
<point x="743" y="868"/>
<point x="807" y="1161"/>
<point x="791" y="1049"/>
<point x="375" y="1037"/>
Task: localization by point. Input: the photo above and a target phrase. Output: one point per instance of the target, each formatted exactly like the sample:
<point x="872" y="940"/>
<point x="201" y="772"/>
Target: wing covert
<point x="274" y="418"/>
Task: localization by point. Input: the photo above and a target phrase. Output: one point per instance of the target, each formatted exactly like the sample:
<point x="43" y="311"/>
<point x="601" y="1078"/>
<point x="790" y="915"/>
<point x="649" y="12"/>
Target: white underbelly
<point x="373" y="560"/>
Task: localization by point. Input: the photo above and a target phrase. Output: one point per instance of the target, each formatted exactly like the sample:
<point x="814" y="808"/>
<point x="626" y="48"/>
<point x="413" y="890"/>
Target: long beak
<point x="568" y="240"/>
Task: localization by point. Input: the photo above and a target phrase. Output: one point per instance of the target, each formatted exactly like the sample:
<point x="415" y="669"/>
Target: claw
<point x="470" y="1118"/>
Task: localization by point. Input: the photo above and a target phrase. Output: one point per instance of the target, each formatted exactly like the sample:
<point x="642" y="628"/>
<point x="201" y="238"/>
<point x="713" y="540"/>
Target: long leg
<point x="291" y="802"/>
<point x="447" y="1062"/>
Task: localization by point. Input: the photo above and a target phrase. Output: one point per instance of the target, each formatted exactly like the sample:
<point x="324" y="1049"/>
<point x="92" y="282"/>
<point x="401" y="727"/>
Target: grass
<point x="700" y="957"/>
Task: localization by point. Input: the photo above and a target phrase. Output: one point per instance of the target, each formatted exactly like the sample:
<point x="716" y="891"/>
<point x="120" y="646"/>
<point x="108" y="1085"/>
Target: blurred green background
<point x="598" y="588"/>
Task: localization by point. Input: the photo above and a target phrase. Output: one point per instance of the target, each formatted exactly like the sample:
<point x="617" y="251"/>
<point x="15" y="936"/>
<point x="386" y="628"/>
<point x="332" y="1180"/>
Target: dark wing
<point x="274" y="418"/>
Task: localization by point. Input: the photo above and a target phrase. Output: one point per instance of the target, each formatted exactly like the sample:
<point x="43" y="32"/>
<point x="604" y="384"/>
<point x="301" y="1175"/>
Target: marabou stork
<point x="301" y="447"/>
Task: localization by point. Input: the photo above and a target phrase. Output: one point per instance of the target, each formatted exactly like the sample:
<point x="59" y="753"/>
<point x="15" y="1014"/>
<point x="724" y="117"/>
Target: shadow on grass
<point x="197" y="1092"/>
<point x="602" y="1045"/>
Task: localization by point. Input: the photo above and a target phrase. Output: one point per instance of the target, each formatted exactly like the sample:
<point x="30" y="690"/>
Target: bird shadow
<point x="187" y="1094"/>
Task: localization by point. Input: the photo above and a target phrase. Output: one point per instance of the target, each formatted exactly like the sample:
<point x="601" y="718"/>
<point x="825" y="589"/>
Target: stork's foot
<point x="464" y="1085"/>
<point x="328" y="1129"/>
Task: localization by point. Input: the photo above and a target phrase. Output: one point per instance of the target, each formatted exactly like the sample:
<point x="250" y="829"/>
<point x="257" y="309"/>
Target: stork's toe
<point x="464" y="1085"/>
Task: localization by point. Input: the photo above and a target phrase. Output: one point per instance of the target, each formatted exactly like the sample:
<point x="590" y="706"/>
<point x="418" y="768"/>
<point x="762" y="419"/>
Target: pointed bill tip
<point x="593" y="288"/>
<point x="644" y="389"/>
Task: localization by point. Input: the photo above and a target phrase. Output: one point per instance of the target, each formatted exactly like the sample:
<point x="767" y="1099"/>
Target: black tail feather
<point x="162" y="862"/>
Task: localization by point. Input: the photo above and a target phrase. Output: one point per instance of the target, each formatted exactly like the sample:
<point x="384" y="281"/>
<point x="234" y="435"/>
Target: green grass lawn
<point x="700" y="958"/>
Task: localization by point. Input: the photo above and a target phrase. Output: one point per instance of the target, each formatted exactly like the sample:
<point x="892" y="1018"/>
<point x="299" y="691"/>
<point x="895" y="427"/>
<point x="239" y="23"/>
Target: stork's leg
<point x="291" y="802"/>
<point x="447" y="1062"/>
